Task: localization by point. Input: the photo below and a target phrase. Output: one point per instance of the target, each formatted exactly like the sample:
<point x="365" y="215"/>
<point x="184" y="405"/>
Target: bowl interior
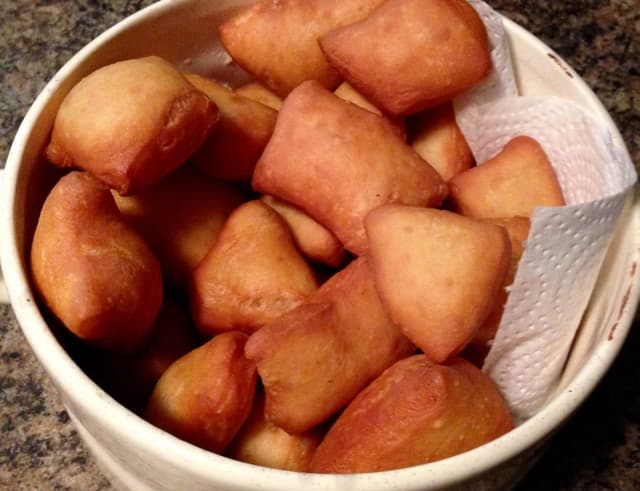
<point x="184" y="32"/>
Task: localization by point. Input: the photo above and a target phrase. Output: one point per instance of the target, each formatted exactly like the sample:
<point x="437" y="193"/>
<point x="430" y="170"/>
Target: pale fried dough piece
<point x="260" y="93"/>
<point x="314" y="241"/>
<point x="316" y="358"/>
<point x="347" y="92"/>
<point x="253" y="273"/>
<point x="337" y="161"/>
<point x="92" y="269"/>
<point x="180" y="216"/>
<point x="518" y="231"/>
<point x="438" y="273"/>
<point x="205" y="396"/>
<point x="435" y="135"/>
<point x="130" y="123"/>
<point x="414" y="413"/>
<point x="260" y="442"/>
<point x="409" y="55"/>
<point x="231" y="151"/>
<point x="511" y="184"/>
<point x="276" y="40"/>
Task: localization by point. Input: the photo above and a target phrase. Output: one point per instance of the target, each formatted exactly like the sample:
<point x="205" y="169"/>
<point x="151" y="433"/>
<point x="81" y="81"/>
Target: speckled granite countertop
<point x="39" y="449"/>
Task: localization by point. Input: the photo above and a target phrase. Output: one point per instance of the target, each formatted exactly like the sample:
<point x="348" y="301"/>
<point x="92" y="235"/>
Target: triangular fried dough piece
<point x="316" y="358"/>
<point x="231" y="151"/>
<point x="409" y="55"/>
<point x="435" y="135"/>
<point x="277" y="41"/>
<point x="253" y="273"/>
<point x="337" y="162"/>
<point x="438" y="273"/>
<point x="511" y="184"/>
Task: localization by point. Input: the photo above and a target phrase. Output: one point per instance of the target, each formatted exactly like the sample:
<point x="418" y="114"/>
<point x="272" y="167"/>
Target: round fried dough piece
<point x="130" y="123"/>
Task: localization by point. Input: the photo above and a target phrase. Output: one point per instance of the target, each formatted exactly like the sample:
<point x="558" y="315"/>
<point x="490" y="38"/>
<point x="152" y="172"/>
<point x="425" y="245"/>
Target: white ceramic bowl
<point x="136" y="455"/>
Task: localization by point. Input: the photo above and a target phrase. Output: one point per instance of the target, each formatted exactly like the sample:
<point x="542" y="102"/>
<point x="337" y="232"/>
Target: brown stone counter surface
<point x="39" y="450"/>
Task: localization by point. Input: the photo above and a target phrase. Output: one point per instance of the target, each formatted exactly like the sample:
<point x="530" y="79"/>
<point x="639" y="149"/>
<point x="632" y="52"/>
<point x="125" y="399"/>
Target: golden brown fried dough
<point x="231" y="151"/>
<point x="205" y="396"/>
<point x="276" y="40"/>
<point x="180" y="217"/>
<point x="409" y="55"/>
<point x="415" y="412"/>
<point x="511" y="184"/>
<point x="316" y="358"/>
<point x="435" y="135"/>
<point x="313" y="240"/>
<point x="253" y="274"/>
<point x="518" y="230"/>
<point x="438" y="273"/>
<point x="92" y="269"/>
<point x="260" y="442"/>
<point x="130" y="123"/>
<point x="337" y="161"/>
<point x="259" y="93"/>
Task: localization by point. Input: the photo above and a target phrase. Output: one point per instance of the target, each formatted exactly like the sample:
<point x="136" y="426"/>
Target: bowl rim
<point x="76" y="387"/>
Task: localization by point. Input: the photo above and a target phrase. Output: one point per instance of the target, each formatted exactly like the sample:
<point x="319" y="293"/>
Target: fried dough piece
<point x="276" y="40"/>
<point x="259" y="93"/>
<point x="253" y="273"/>
<point x="180" y="217"/>
<point x="415" y="412"/>
<point x="518" y="230"/>
<point x="231" y="151"/>
<point x="130" y="123"/>
<point x="436" y="137"/>
<point x="438" y="273"/>
<point x="92" y="269"/>
<point x="260" y="442"/>
<point x="347" y="92"/>
<point x="337" y="161"/>
<point x="316" y="358"/>
<point x="511" y="184"/>
<point x="205" y="396"/>
<point x="409" y="55"/>
<point x="313" y="240"/>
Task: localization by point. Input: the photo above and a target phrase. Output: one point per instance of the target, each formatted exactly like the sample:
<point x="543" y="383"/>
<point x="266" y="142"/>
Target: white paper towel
<point x="566" y="245"/>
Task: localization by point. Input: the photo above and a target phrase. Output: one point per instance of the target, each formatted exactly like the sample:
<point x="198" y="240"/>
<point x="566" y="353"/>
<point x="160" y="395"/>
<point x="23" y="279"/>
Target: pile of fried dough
<point x="306" y="271"/>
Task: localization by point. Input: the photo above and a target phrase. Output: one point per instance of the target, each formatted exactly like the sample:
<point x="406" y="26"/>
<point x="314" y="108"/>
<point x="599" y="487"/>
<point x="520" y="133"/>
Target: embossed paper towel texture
<point x="566" y="245"/>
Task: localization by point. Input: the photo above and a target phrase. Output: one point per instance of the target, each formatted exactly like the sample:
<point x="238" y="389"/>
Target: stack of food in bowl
<point x="324" y="229"/>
